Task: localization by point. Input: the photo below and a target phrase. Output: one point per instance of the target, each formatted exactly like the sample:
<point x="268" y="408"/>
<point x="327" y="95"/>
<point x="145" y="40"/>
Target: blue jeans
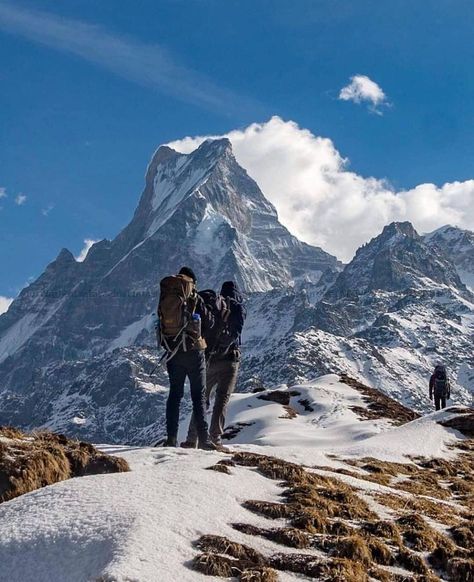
<point x="192" y="365"/>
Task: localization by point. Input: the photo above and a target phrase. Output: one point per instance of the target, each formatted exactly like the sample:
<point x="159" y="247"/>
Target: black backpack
<point x="440" y="381"/>
<point x="229" y="315"/>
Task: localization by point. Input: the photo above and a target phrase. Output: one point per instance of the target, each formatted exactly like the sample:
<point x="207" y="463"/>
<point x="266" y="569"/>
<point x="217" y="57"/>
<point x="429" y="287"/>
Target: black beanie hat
<point x="189" y="273"/>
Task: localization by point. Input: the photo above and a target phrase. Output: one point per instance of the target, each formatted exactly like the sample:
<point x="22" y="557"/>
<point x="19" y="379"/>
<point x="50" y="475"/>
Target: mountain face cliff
<point x="77" y="347"/>
<point x="458" y="245"/>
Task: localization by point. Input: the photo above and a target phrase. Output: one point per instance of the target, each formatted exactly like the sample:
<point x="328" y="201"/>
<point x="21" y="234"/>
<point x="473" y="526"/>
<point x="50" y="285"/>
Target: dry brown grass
<point x="290" y="413"/>
<point x="287" y="536"/>
<point x="259" y="575"/>
<point x="217" y="565"/>
<point x="463" y="535"/>
<point x="441" y="512"/>
<point x="227" y="462"/>
<point x="334" y="570"/>
<point x="28" y="462"/>
<point x="378" y="404"/>
<point x="220" y="469"/>
<point x="382" y="529"/>
<point x="353" y="548"/>
<point x="442" y="554"/>
<point x="336" y="501"/>
<point x="9" y="432"/>
<point x="464" y="422"/>
<point x="271" y="467"/>
<point x="380" y="552"/>
<point x="222" y="545"/>
<point x="461" y="570"/>
<point x="383" y="576"/>
<point x="325" y="513"/>
<point x="282" y="397"/>
<point x="268" y="509"/>
<point x="418" y="535"/>
<point x="310" y="520"/>
<point x="412" y="561"/>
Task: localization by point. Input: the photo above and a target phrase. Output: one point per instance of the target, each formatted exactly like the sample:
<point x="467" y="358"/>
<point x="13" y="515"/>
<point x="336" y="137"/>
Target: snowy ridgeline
<point x="141" y="525"/>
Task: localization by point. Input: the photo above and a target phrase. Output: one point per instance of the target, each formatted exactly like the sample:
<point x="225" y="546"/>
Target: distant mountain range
<point x="77" y="346"/>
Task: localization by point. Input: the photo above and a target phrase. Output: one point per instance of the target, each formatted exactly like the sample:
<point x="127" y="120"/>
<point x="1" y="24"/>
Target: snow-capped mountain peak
<point x="396" y="259"/>
<point x="458" y="245"/>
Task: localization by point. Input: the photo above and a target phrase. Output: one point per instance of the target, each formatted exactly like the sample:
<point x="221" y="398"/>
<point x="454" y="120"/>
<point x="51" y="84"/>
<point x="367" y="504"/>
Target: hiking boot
<point x="171" y="442"/>
<point x="188" y="445"/>
<point x="207" y="446"/>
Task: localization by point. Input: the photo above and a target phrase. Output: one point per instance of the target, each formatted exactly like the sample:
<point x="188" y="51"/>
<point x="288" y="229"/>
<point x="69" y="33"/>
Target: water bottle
<point x="196" y="325"/>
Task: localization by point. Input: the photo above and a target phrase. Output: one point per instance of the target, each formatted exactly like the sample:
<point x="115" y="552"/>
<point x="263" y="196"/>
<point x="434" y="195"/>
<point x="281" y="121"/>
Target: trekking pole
<point x="157" y="365"/>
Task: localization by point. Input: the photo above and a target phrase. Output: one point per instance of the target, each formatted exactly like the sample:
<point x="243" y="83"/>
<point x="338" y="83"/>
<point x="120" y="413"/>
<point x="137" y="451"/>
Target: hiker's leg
<point x="443" y="402"/>
<point x="227" y="378"/>
<point x="437" y="402"/>
<point x="197" y="380"/>
<point x="210" y="383"/>
<point x="177" y="375"/>
<point x="192" y="431"/>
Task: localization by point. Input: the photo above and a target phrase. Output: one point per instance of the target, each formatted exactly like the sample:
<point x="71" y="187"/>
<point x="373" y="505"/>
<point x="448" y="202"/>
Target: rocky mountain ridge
<point x="77" y="346"/>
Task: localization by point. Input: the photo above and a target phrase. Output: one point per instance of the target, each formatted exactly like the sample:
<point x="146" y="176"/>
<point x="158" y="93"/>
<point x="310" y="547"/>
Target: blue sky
<point x="89" y="89"/>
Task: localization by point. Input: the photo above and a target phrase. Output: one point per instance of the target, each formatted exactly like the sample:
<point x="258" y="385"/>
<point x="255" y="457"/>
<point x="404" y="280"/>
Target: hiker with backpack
<point x="183" y="321"/>
<point x="440" y="388"/>
<point x="223" y="357"/>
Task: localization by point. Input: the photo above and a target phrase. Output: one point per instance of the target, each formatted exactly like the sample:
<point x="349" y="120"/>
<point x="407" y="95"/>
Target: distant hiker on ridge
<point x="183" y="319"/>
<point x="440" y="387"/>
<point x="223" y="357"/>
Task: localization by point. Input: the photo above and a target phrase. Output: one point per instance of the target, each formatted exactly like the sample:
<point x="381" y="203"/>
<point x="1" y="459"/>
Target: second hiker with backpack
<point x="440" y="388"/>
<point x="183" y="321"/>
<point x="223" y="357"/>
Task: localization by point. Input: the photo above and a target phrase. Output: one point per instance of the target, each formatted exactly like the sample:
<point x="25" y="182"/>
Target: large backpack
<point x="440" y="382"/>
<point x="175" y="310"/>
<point x="228" y="316"/>
<point x="217" y="305"/>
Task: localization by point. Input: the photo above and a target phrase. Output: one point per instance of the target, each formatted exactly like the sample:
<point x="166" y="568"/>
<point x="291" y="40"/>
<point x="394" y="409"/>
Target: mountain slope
<point x="394" y="311"/>
<point x="333" y="474"/>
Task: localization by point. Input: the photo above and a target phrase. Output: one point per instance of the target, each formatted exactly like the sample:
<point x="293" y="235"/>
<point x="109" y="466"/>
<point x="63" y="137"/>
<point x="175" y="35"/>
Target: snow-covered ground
<point x="139" y="526"/>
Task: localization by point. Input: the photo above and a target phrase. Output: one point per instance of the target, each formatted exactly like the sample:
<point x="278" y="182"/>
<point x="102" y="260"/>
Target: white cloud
<point x="88" y="242"/>
<point x="363" y="89"/>
<point x="5" y="303"/>
<point x="45" y="211"/>
<point x="3" y="192"/>
<point x="20" y="199"/>
<point x="323" y="203"/>
<point x="145" y="64"/>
